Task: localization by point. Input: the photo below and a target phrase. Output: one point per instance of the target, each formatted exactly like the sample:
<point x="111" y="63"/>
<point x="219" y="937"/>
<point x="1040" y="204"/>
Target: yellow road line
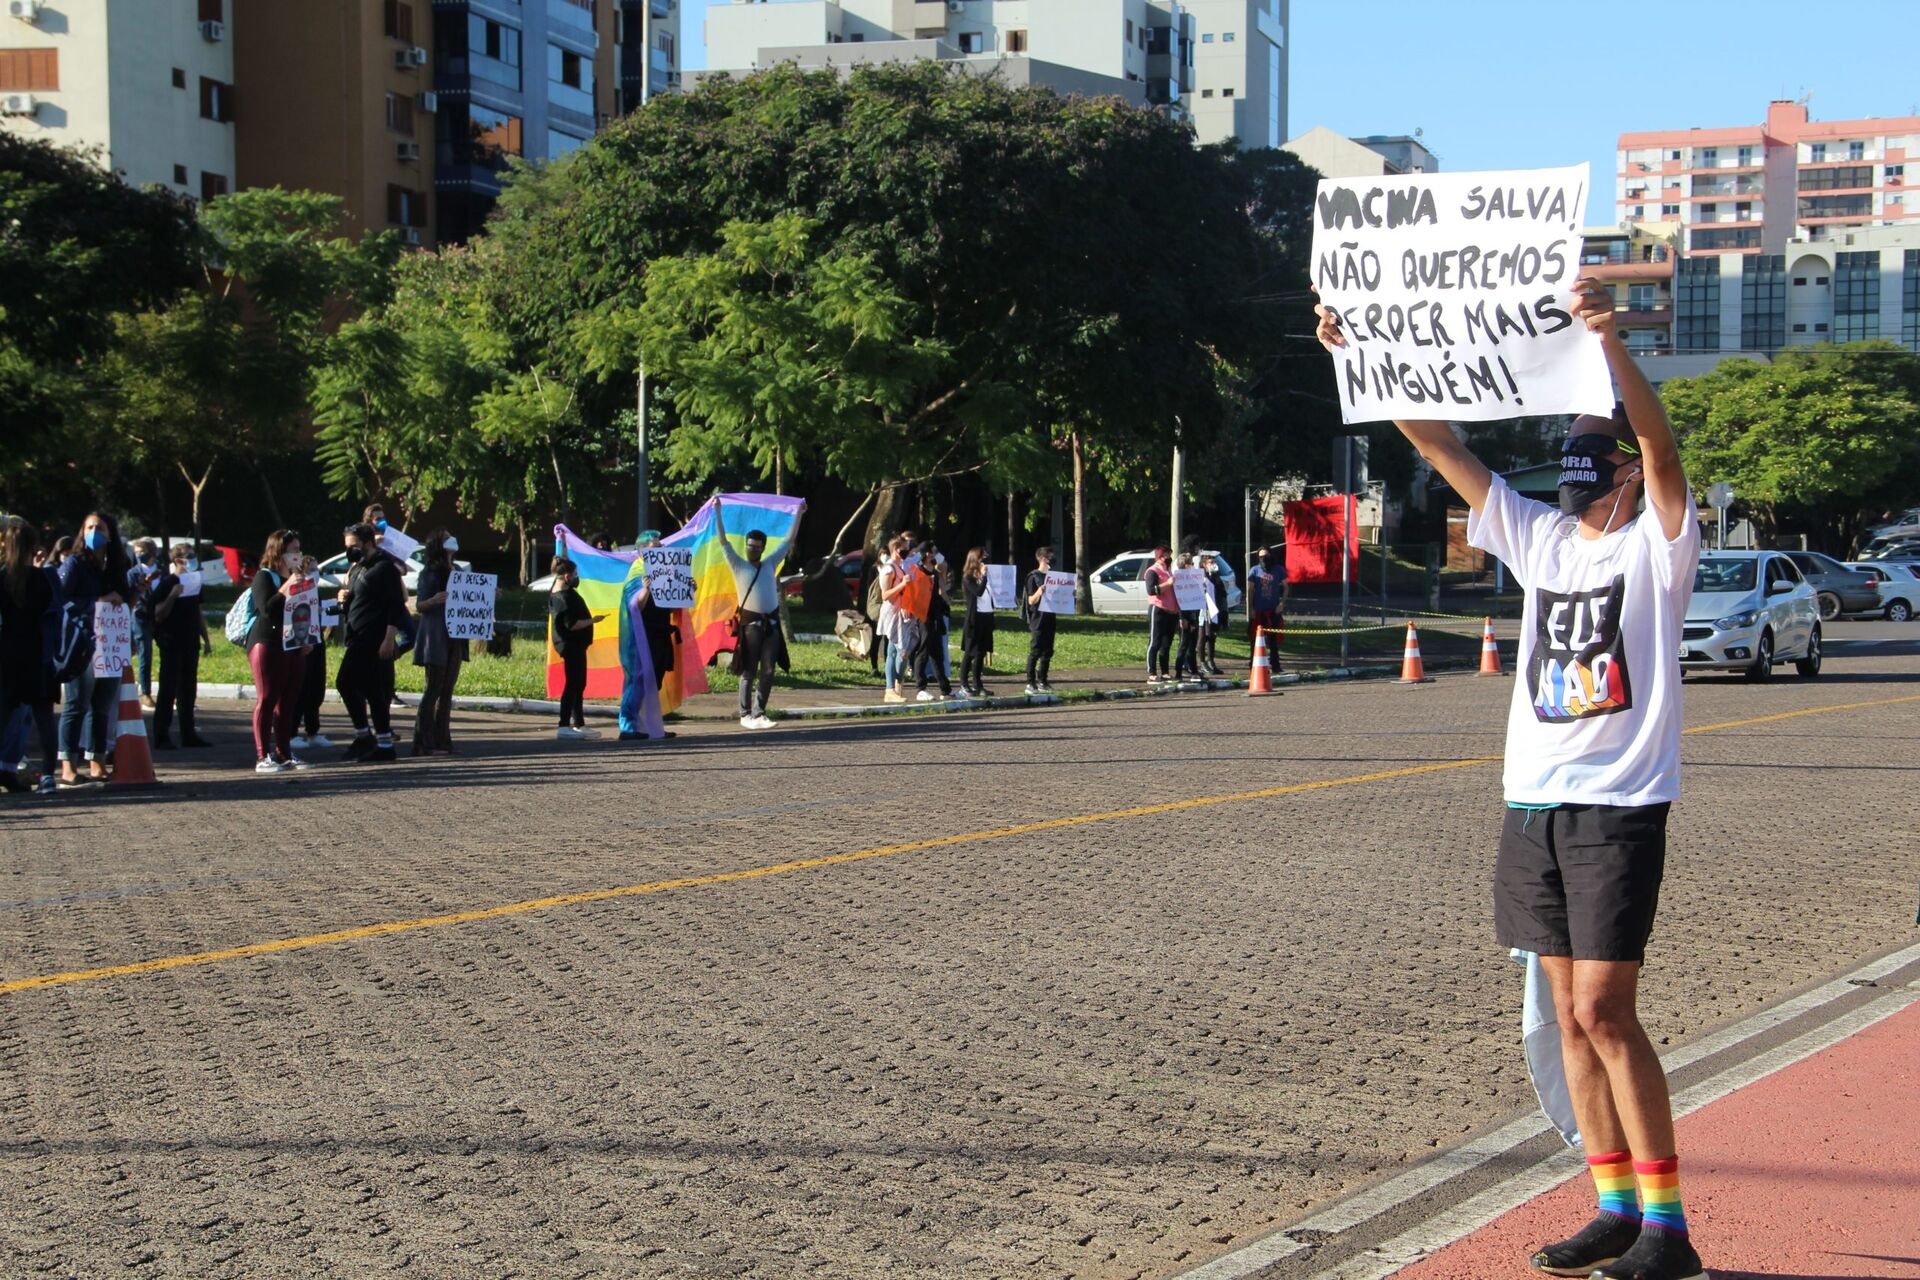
<point x="803" y="864"/>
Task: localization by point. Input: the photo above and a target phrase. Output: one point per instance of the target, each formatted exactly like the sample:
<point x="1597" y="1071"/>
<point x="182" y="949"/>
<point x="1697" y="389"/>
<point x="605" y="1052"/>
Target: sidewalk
<point x="1812" y="1173"/>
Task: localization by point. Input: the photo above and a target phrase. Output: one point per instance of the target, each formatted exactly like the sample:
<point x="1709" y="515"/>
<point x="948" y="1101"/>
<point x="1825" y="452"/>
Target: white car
<point x="1899" y="587"/>
<point x="1116" y="587"/>
<point x="1750" y="610"/>
<point x="333" y="573"/>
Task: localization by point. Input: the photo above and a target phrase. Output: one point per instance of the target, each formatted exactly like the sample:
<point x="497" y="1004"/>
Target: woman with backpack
<point x="26" y="596"/>
<point x="278" y="671"/>
<point x="96" y="573"/>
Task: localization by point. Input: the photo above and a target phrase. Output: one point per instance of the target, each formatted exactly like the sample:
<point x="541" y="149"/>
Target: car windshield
<point x="1724" y="575"/>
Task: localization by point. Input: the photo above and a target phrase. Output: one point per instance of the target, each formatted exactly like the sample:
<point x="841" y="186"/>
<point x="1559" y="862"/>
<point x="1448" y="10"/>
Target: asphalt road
<point x="1009" y="994"/>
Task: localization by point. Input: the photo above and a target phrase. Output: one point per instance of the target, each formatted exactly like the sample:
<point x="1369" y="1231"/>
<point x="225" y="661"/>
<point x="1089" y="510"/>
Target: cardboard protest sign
<point x="190" y="584"/>
<point x="1190" y="589"/>
<point x="670" y="580"/>
<point x="300" y="625"/>
<point x="470" y="598"/>
<point x="1455" y="293"/>
<point x="1057" y="595"/>
<point x="112" y="639"/>
<point x="1003" y="587"/>
<point x="397" y="544"/>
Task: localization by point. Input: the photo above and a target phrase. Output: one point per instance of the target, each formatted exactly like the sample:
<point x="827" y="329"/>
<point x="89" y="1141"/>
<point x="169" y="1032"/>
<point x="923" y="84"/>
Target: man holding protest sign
<point x="1593" y="737"/>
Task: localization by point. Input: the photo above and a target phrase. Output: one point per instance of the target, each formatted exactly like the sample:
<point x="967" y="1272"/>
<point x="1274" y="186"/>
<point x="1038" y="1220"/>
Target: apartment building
<point x="1376" y="156"/>
<point x="1239" y="71"/>
<point x="1145" y="51"/>
<point x="148" y="82"/>
<point x="648" y="35"/>
<point x="1789" y="232"/>
<point x="1636" y="263"/>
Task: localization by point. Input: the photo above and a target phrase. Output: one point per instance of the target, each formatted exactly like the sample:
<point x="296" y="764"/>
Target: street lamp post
<point x="641" y="495"/>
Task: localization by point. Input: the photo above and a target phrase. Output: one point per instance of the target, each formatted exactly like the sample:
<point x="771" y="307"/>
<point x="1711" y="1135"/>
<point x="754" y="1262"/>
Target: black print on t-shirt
<point x="1579" y="665"/>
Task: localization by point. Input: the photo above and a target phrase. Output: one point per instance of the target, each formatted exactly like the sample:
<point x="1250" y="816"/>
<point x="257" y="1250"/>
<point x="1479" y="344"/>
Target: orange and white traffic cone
<point x="1260" y="683"/>
<point x="1412" y="669"/>
<point x="132" y="759"/>
<point x="1490" y="653"/>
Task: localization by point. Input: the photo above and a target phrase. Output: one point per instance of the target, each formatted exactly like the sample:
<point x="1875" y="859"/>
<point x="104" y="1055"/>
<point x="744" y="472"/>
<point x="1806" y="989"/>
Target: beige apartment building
<point x="149" y="83"/>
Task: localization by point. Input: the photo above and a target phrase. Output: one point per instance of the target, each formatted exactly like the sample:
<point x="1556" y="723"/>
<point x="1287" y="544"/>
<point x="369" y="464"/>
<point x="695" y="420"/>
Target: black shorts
<point x="1582" y="880"/>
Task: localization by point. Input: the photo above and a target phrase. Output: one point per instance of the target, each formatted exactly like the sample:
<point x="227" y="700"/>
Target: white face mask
<point x="453" y="544"/>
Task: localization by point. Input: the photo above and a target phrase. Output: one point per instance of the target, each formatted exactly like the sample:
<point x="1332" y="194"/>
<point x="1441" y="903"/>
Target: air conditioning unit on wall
<point x="427" y="101"/>
<point x="406" y="151"/>
<point x="213" y="32"/>
<point x="18" y="104"/>
<point x="417" y="56"/>
<point x="25" y="10"/>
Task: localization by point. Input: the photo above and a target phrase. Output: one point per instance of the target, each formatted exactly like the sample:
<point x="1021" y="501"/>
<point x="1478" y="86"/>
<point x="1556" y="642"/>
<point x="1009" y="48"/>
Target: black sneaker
<point x="161" y="742"/>
<point x="379" y="755"/>
<point x="1659" y="1254"/>
<point x="1597" y="1244"/>
<point x="358" y="748"/>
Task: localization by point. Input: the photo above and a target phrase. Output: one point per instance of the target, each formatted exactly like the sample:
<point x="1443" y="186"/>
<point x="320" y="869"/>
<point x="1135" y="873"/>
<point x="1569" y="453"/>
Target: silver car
<point x="1750" y="610"/>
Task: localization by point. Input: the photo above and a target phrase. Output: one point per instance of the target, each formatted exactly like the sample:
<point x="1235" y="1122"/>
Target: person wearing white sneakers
<point x="572" y="637"/>
<point x="759" y="644"/>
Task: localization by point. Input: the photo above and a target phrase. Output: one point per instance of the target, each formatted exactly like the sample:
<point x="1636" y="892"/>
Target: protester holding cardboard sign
<point x="435" y="648"/>
<point x="95" y="571"/>
<point x="180" y="634"/>
<point x="1040" y="621"/>
<point x="1593" y="757"/>
<point x="1163" y="613"/>
<point x="278" y="671"/>
<point x="976" y="627"/>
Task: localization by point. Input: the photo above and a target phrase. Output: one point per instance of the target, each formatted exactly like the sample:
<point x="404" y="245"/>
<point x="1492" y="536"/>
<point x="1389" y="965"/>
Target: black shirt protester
<point x="567" y="610"/>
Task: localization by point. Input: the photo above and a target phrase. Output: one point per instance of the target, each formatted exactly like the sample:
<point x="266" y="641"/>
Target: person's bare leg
<point x="1604" y="997"/>
<point x="1587" y="1082"/>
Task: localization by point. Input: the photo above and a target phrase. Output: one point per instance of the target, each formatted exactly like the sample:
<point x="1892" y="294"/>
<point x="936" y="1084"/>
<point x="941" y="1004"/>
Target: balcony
<point x="570" y="14"/>
<point x="1741" y="186"/>
<point x="1643" y="313"/>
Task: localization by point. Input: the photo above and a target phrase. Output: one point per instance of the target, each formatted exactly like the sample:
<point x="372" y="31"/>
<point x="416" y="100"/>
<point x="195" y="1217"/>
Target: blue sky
<point x="1517" y="84"/>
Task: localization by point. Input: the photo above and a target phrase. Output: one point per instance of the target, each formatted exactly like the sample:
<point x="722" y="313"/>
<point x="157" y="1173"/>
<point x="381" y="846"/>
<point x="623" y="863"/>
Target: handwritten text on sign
<point x="470" y="599"/>
<point x="670" y="576"/>
<point x="112" y="639"/>
<point x="1190" y="589"/>
<point x="1057" y="595"/>
<point x="1003" y="587"/>
<point x="1455" y="293"/>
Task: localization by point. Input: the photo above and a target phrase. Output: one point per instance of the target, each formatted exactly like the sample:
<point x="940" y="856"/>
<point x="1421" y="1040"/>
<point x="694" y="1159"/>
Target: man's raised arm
<point x="1433" y="439"/>
<point x="1666" y="482"/>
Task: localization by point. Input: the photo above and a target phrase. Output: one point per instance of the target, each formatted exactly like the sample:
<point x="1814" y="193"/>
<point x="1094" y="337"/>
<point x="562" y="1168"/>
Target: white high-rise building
<point x="1220" y="62"/>
<point x="149" y="82"/>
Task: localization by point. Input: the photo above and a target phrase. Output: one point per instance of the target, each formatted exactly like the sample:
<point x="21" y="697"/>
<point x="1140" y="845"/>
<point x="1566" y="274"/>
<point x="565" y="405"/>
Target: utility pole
<point x="641" y="496"/>
<point x="1179" y="483"/>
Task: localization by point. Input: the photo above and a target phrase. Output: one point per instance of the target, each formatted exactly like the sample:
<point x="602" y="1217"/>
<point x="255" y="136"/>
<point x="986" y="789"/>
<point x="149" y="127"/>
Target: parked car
<point x="1750" y="610"/>
<point x="851" y="564"/>
<point x="1906" y="520"/>
<point x="213" y="565"/>
<point x="1891" y="544"/>
<point x="1116" y="585"/>
<point x="333" y="573"/>
<point x="1839" y="589"/>
<point x="1899" y="587"/>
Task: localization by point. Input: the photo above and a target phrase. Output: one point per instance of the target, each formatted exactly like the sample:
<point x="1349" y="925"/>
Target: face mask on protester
<point x="146" y="557"/>
<point x="452" y="545"/>
<point x="96" y="539"/>
<point x="356" y="554"/>
<point x="381" y="524"/>
<point x="1586" y="472"/>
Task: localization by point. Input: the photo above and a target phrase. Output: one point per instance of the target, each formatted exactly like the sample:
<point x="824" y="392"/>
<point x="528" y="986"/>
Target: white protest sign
<point x="1190" y="589"/>
<point x="397" y="544"/>
<point x="190" y="583"/>
<point x="300" y="623"/>
<point x="669" y="576"/>
<point x="470" y="598"/>
<point x="1057" y="595"/>
<point x="1003" y="587"/>
<point x="1455" y="295"/>
<point x="330" y="611"/>
<point x="112" y="639"/>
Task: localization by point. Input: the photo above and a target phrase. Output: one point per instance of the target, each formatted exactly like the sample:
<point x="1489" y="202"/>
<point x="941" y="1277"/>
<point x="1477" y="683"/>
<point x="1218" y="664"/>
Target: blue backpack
<point x="67" y="640"/>
<point x="242" y="615"/>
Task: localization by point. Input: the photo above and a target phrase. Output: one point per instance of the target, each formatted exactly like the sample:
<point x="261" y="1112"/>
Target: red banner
<point x="1314" y="529"/>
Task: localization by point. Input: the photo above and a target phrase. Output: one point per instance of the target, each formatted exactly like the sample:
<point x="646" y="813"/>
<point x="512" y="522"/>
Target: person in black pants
<point x="1186" y="663"/>
<point x="572" y="630"/>
<point x="930" y="657"/>
<point x="179" y="630"/>
<point x="1040" y="624"/>
<point x="976" y="628"/>
<point x="373" y="609"/>
<point x="26" y="680"/>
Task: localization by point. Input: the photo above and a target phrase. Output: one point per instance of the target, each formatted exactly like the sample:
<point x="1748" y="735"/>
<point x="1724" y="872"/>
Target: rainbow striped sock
<point x="1660" y="1193"/>
<point x="1613" y="1179"/>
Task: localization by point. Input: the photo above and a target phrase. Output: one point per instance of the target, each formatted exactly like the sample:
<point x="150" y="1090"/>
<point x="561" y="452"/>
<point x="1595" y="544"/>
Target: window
<point x="1743" y="211"/>
<point x="179" y="78"/>
<point x="1708" y="156"/>
<point x="559" y="144"/>
<point x="1673" y="155"/>
<point x="1820" y="327"/>
<point x="1743" y="156"/>
<point x="1129" y="26"/>
<point x="213" y="10"/>
<point x="216" y="100"/>
<point x="1016" y="41"/>
<point x="400" y="113"/>
<point x="493" y="51"/>
<point x="1669" y="210"/>
<point x="1226" y="37"/>
<point x="405" y="206"/>
<point x="1763" y="302"/>
<point x="399" y="20"/>
<point x="972" y="42"/>
<point x="30" y="69"/>
<point x="1696" y="293"/>
<point x="1800" y="281"/>
<point x="1641" y="297"/>
<point x="1895" y="174"/>
<point x="1206" y="93"/>
<point x="1207" y="38"/>
<point x="1226" y="93"/>
<point x="212" y="185"/>
<point x="1856" y="151"/>
<point x="491" y="136"/>
<point x="1820" y="280"/>
<point x="1799" y="328"/>
<point x="179" y="175"/>
<point x="1840" y="178"/>
<point x="1817" y="153"/>
<point x="1709" y="211"/>
<point x="1856" y="296"/>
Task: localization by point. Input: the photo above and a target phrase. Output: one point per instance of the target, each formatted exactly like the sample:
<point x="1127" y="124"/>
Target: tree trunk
<point x="198" y="487"/>
<point x="1013" y="546"/>
<point x="889" y="512"/>
<point x="526" y="552"/>
<point x="1082" y="589"/>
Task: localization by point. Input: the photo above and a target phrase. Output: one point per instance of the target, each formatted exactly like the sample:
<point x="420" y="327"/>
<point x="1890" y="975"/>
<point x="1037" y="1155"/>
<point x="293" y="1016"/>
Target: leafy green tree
<point x="78" y="249"/>
<point x="1819" y="439"/>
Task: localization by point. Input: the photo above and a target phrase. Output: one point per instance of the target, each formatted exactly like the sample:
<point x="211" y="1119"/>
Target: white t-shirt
<point x="1596" y="706"/>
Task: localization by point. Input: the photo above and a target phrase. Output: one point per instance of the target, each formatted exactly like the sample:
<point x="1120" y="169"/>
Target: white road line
<point x="1346" y="1214"/>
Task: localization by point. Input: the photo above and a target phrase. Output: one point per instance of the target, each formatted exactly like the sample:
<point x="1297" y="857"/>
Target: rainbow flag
<point x="703" y="629"/>
<point x="601" y="574"/>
